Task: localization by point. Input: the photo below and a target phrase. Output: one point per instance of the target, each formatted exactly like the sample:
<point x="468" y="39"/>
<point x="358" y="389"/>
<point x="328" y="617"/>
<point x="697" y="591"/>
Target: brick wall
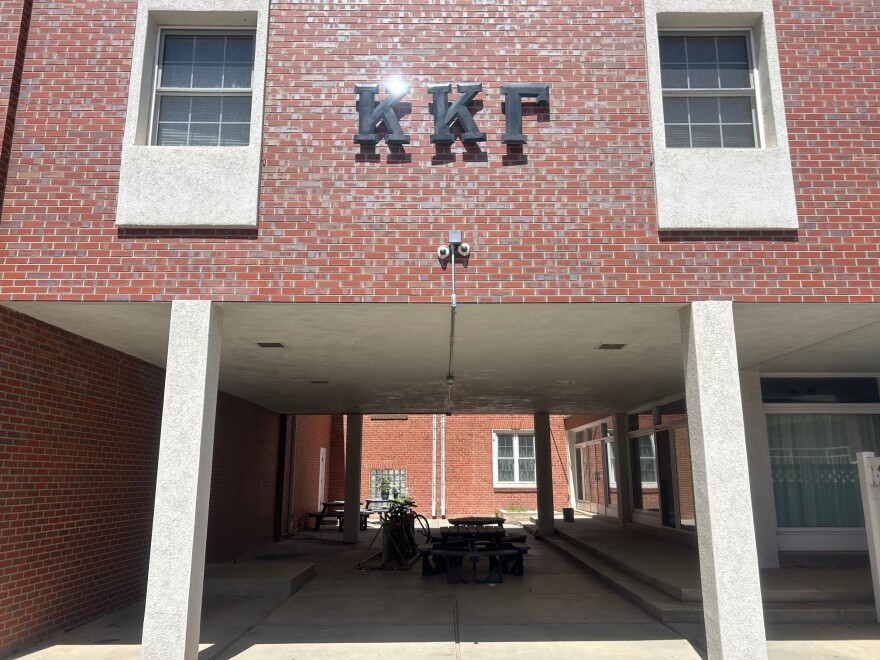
<point x="79" y="443"/>
<point x="570" y="220"/>
<point x="312" y="433"/>
<point x="243" y="480"/>
<point x="407" y="444"/>
<point x="79" y="439"/>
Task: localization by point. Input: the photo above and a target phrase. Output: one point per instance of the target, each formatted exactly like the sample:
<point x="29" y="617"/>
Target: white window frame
<point x="517" y="483"/>
<point x="752" y="93"/>
<point x="160" y="91"/>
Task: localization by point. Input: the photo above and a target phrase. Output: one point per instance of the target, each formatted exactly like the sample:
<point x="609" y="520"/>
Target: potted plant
<point x="383" y="485"/>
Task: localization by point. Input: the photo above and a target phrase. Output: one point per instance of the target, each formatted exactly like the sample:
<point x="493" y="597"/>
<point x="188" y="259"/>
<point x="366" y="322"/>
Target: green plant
<point x="383" y="484"/>
<point x="517" y="508"/>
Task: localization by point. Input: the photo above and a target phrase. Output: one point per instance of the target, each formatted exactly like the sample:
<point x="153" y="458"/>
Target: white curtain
<point x="815" y="483"/>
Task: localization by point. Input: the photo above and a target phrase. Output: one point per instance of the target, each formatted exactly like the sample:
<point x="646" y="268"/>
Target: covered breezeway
<point x="541" y="359"/>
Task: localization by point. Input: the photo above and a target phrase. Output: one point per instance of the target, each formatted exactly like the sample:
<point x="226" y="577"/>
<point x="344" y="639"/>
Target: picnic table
<point x="471" y="539"/>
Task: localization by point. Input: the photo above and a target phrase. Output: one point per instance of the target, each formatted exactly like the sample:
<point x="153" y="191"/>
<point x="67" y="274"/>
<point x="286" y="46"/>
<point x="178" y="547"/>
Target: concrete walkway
<point x="555" y="611"/>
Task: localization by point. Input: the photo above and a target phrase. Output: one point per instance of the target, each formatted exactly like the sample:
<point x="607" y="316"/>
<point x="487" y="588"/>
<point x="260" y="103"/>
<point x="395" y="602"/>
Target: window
<point x="708" y="90"/>
<point x="204" y="88"/>
<point x="394" y="480"/>
<point x="514" y="458"/>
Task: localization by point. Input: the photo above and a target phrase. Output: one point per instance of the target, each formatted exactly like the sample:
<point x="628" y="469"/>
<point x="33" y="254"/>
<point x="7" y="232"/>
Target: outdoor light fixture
<point x="455" y="245"/>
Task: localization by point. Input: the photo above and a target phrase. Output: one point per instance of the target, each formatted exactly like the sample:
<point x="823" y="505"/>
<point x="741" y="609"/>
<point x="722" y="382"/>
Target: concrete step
<point x="662" y="606"/>
<point x="668" y="608"/>
<point x="257" y="578"/>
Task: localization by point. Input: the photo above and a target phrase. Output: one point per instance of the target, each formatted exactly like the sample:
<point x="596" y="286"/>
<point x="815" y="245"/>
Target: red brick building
<point x="661" y="214"/>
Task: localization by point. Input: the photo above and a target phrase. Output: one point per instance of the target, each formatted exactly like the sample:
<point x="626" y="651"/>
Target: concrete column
<point x="544" y="474"/>
<point x="760" y="477"/>
<point x="353" y="452"/>
<point x="183" y="483"/>
<point x="725" y="528"/>
<point x="624" y="472"/>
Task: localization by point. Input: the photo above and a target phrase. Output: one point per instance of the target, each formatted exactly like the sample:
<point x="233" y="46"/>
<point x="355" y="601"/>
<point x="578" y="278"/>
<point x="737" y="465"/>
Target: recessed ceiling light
<point x="270" y="344"/>
<point x="319" y="382"/>
<point x="563" y="382"/>
<point x="610" y="347"/>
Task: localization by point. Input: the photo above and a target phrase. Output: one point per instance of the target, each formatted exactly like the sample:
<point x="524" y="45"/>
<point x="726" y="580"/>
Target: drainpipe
<point x="443" y="467"/>
<point x="434" y="466"/>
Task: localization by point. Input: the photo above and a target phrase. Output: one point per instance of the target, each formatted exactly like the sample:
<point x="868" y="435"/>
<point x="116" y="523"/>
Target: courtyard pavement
<point x="554" y="611"/>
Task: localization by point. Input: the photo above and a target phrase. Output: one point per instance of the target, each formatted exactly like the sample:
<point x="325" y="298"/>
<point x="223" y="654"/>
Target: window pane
<point x="206" y="108"/>
<point x="240" y="49"/>
<point x="505" y="446"/>
<point x="204" y="135"/>
<point x="505" y="469"/>
<point x="526" y="447"/>
<point x="177" y="75"/>
<point x="207" y="75"/>
<point x="815" y="483"/>
<point x="732" y="49"/>
<point x="704" y="110"/>
<point x="703" y="136"/>
<point x="735" y="76"/>
<point x="235" y="135"/>
<point x="178" y="49"/>
<point x="736" y="110"/>
<point x="172" y="135"/>
<point x="237" y="108"/>
<point x="237" y="76"/>
<point x="527" y="470"/>
<point x="674" y="76"/>
<point x="703" y="76"/>
<point x="701" y="50"/>
<point x="210" y="49"/>
<point x="678" y="136"/>
<point x="672" y="49"/>
<point x="738" y="136"/>
<point x="174" y="108"/>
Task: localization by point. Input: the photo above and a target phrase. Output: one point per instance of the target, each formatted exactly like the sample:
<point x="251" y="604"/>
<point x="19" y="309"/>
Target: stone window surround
<point x="204" y="187"/>
<point x="723" y="189"/>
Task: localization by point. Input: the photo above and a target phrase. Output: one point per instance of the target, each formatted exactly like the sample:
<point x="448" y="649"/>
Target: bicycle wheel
<point x="421" y="530"/>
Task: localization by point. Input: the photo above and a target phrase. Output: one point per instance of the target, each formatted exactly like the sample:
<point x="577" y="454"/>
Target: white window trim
<point x="511" y="484"/>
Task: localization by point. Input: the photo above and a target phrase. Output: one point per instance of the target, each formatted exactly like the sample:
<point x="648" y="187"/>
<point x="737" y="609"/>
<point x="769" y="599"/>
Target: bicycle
<point x="404" y="531"/>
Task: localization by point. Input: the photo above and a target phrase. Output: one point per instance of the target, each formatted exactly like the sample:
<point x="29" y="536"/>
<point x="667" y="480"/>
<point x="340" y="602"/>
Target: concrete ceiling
<point x="377" y="358"/>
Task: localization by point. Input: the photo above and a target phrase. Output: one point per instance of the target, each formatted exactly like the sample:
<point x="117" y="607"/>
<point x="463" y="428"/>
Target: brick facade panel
<point x="571" y="219"/>
<point x="407" y="444"/>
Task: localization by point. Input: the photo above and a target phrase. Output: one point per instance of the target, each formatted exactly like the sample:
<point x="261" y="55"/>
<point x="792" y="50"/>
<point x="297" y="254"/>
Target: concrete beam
<point x="183" y="483"/>
<point x="731" y="588"/>
<point x="544" y="474"/>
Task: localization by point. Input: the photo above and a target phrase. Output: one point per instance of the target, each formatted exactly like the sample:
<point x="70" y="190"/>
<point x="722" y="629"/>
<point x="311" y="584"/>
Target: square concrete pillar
<point x="180" y="521"/>
<point x="354" y="442"/>
<point x="544" y="474"/>
<point x="624" y="471"/>
<point x="725" y="527"/>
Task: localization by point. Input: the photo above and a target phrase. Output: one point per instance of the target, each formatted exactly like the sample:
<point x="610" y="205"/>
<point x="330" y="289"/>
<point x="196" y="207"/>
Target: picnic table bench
<point x="332" y="510"/>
